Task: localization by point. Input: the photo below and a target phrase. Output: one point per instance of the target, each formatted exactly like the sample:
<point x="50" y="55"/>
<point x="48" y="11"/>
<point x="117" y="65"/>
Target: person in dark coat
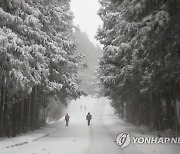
<point x="88" y="118"/>
<point x="67" y="119"/>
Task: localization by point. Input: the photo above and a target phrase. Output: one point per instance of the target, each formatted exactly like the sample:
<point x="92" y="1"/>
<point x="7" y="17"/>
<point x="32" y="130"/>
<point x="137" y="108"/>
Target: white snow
<point x="78" y="138"/>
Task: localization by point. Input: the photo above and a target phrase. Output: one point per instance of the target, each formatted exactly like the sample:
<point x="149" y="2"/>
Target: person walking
<point x="67" y="119"/>
<point x="88" y="118"/>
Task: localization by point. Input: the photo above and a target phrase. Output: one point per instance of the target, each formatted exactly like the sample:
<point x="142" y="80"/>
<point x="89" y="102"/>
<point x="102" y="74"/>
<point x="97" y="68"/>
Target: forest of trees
<point x="90" y="56"/>
<point x="140" y="67"/>
<point x="38" y="61"/>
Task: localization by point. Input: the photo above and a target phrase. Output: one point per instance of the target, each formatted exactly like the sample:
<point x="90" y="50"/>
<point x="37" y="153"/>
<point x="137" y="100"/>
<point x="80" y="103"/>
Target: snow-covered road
<point x="99" y="138"/>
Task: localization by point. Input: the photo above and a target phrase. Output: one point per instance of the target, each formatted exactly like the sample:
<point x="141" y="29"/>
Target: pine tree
<point x="38" y="60"/>
<point x="139" y="38"/>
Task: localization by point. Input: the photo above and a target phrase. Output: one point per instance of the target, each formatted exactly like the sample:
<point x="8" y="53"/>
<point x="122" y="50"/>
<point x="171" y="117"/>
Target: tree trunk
<point x="2" y="104"/>
<point x="33" y="108"/>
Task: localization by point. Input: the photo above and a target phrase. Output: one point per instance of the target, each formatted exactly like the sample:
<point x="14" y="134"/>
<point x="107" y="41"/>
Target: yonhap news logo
<point x="124" y="139"/>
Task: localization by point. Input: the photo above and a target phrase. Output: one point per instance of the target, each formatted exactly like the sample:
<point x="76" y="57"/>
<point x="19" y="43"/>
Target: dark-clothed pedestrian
<point x="67" y="117"/>
<point x="88" y="118"/>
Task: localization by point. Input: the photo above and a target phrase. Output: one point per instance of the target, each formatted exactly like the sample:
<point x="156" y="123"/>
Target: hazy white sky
<point x="85" y="12"/>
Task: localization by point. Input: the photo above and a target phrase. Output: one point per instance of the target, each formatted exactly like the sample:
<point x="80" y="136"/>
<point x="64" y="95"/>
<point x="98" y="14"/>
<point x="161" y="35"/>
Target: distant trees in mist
<point x="90" y="53"/>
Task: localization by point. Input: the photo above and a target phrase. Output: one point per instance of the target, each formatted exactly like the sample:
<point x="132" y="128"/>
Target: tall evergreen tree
<point x="140" y="40"/>
<point x="38" y="60"/>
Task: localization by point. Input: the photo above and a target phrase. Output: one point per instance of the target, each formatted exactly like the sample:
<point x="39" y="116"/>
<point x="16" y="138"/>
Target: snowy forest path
<point x="98" y="138"/>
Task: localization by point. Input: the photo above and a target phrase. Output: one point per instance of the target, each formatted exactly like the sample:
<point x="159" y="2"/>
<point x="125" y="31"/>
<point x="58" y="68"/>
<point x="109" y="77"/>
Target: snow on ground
<point x="116" y="126"/>
<point x="78" y="138"/>
<point x="29" y="137"/>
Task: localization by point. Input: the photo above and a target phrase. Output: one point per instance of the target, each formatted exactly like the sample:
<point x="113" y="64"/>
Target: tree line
<point x="140" y="66"/>
<point x="38" y="62"/>
<point x="91" y="53"/>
